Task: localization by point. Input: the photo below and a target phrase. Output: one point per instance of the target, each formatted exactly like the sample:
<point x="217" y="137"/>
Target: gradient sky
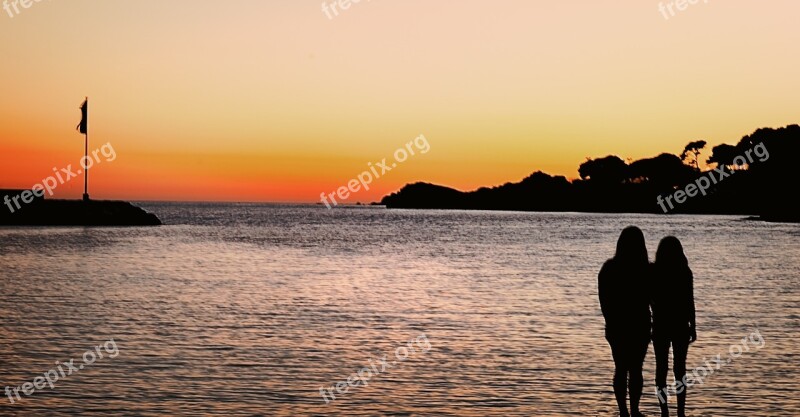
<point x="270" y="100"/>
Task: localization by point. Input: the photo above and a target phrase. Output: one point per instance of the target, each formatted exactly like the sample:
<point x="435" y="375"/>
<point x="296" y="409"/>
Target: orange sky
<point x="270" y="100"/>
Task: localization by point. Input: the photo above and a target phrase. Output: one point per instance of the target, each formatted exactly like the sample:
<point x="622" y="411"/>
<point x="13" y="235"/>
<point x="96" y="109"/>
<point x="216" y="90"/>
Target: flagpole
<point x="86" y="173"/>
<point x="86" y="155"/>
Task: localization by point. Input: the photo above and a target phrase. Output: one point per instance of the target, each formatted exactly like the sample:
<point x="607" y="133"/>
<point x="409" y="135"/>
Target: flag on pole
<point x="84" y="124"/>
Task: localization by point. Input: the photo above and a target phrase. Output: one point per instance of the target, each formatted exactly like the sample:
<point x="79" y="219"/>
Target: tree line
<point x="755" y="185"/>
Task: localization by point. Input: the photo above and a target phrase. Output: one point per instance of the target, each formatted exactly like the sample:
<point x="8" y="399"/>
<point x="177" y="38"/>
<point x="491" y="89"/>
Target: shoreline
<point x="79" y="213"/>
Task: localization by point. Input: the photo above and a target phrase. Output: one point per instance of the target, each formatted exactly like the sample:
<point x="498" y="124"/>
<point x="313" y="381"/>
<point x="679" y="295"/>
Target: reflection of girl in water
<point x="673" y="318"/>
<point x="625" y="301"/>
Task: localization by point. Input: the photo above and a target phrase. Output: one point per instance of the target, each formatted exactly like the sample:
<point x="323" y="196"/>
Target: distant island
<point x="755" y="177"/>
<point x="42" y="212"/>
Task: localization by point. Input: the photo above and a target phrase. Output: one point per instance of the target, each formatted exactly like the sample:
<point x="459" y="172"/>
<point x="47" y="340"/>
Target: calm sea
<point x="251" y="309"/>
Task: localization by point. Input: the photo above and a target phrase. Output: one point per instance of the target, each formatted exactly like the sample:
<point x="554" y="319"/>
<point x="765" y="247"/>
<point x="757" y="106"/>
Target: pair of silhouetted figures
<point x="630" y="287"/>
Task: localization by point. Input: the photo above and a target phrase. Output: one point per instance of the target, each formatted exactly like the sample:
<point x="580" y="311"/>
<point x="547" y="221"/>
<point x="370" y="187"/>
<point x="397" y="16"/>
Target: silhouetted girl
<point x="673" y="318"/>
<point x="625" y="301"/>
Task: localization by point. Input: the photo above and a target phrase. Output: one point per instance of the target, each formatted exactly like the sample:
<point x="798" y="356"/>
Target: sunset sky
<point x="271" y="100"/>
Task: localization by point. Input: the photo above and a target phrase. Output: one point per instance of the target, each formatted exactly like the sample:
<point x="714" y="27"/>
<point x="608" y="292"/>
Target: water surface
<point x="251" y="309"/>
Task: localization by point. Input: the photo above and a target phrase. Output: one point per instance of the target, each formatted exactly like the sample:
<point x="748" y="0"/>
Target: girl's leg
<point x="680" y="348"/>
<point x="620" y="376"/>
<point x="661" y="347"/>
<point x="620" y="390"/>
<point x="636" y="380"/>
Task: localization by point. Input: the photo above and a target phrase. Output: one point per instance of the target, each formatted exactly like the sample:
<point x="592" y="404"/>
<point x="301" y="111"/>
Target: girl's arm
<point x="692" y="322"/>
<point x="602" y="291"/>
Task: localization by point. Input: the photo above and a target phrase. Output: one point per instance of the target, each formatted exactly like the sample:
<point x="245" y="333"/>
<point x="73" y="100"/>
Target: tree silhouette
<point x="723" y="155"/>
<point x="608" y="170"/>
<point x="665" y="170"/>
<point x="693" y="148"/>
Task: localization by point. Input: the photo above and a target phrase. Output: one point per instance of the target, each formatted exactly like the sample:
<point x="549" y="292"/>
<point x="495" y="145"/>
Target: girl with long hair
<point x="673" y="318"/>
<point x="625" y="301"/>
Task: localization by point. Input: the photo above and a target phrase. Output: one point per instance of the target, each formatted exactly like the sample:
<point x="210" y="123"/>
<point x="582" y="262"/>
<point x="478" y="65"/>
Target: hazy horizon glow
<point x="251" y="100"/>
